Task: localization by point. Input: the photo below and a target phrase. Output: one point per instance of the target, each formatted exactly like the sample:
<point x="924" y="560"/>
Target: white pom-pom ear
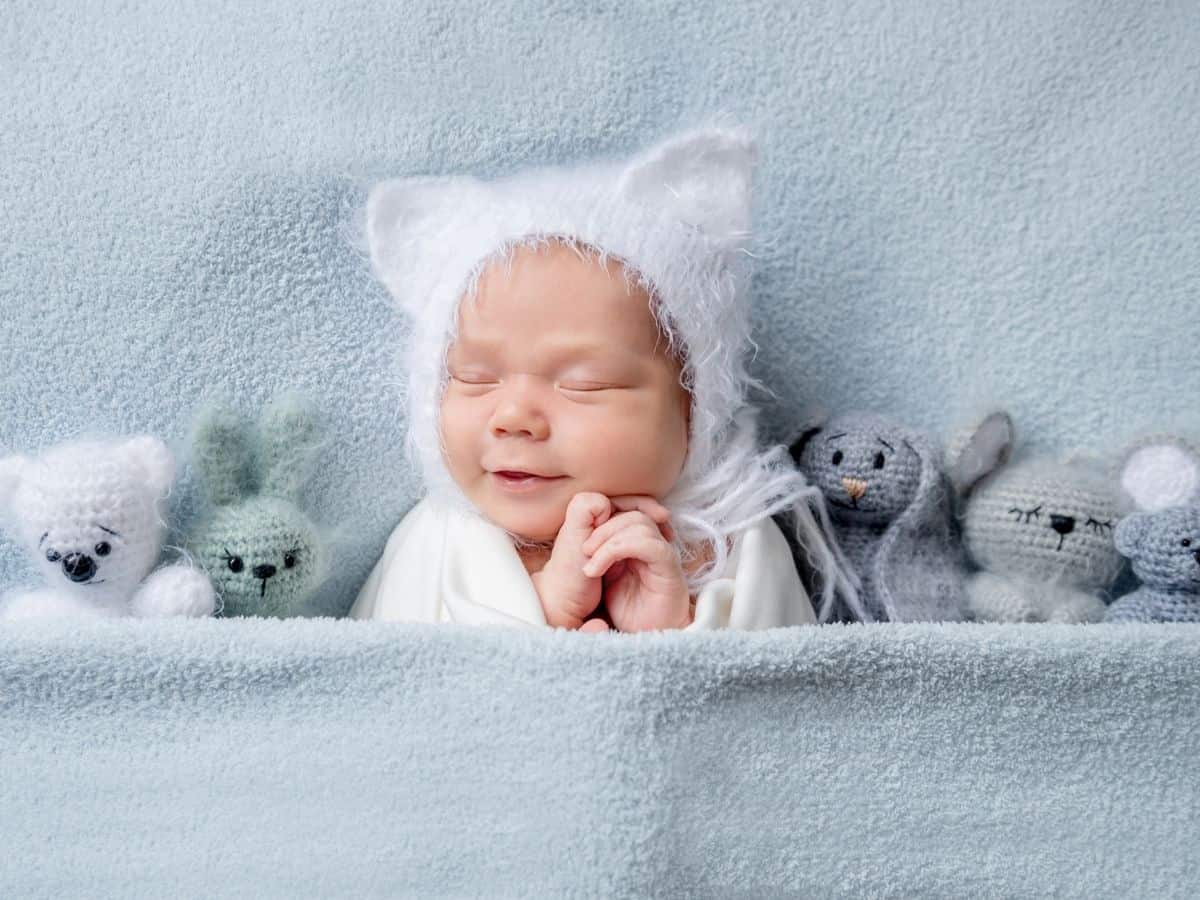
<point x="404" y="213"/>
<point x="12" y="470"/>
<point x="155" y="460"/>
<point x="703" y="177"/>
<point x="980" y="451"/>
<point x="1160" y="472"/>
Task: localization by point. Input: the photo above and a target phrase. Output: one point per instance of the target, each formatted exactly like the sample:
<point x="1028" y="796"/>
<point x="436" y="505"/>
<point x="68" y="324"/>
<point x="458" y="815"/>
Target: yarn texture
<point x="892" y="507"/>
<point x="1041" y="533"/>
<point x="89" y="513"/>
<point x="1161" y="477"/>
<point x="264" y="555"/>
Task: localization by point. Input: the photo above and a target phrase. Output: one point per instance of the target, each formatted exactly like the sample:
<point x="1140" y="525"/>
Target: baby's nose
<point x="855" y="487"/>
<point x="519" y="414"/>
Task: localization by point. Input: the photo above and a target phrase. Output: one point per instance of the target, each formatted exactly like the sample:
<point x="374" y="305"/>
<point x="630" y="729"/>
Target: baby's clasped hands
<point x="626" y="559"/>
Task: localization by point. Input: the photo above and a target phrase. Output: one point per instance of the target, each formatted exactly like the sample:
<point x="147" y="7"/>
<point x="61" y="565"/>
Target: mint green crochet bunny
<point x="264" y="556"/>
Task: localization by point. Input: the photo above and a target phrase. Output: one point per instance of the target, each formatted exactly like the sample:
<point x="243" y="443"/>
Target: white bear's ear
<point x="703" y="177"/>
<point x="1160" y="472"/>
<point x="407" y="215"/>
<point x="12" y="470"/>
<point x="979" y="451"/>
<point x="153" y="457"/>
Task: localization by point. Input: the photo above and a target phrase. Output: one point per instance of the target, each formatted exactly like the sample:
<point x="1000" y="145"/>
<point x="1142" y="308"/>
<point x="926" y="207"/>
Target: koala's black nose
<point x="1064" y="525"/>
<point x="78" y="568"/>
<point x="263" y="571"/>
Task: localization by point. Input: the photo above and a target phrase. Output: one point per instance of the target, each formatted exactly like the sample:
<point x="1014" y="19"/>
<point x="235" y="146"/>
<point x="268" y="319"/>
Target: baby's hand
<point x="568" y="596"/>
<point x="644" y="584"/>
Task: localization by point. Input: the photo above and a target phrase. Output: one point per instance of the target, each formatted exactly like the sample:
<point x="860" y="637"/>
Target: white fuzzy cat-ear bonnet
<point x="677" y="215"/>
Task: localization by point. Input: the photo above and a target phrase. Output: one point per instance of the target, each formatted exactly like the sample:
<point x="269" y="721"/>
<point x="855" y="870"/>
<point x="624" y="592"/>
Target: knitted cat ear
<point x="155" y="460"/>
<point x="221" y="454"/>
<point x="980" y="451"/>
<point x="12" y="470"/>
<point x="1159" y="472"/>
<point x="289" y="433"/>
<point x="406" y="216"/>
<point x="702" y="177"/>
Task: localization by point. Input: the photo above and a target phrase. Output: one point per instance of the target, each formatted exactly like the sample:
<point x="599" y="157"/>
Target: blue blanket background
<point x="968" y="202"/>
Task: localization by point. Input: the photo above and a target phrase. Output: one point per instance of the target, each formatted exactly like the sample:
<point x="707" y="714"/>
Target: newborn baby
<point x="576" y="403"/>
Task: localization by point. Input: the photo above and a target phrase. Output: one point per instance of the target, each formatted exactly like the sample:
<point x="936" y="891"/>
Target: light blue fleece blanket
<point x="965" y="201"/>
<point x="321" y="758"/>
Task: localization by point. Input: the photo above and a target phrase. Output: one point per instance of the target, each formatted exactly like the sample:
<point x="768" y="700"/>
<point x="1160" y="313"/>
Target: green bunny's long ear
<point x="222" y="455"/>
<point x="289" y="436"/>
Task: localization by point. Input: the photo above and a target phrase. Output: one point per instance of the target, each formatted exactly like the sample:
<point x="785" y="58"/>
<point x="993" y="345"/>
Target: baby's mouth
<point x="510" y="478"/>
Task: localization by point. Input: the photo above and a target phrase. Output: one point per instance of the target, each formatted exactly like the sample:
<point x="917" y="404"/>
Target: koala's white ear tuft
<point x="704" y="177"/>
<point x="405" y="213"/>
<point x="12" y="470"/>
<point x="980" y="451"/>
<point x="1160" y="472"/>
<point x="155" y="460"/>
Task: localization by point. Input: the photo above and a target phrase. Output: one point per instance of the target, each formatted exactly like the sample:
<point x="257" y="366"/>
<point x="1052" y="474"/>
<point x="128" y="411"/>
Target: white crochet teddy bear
<point x="88" y="512"/>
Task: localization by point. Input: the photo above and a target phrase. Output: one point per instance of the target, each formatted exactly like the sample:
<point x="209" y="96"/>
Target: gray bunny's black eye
<point x="880" y="460"/>
<point x="838" y="456"/>
<point x="1187" y="542"/>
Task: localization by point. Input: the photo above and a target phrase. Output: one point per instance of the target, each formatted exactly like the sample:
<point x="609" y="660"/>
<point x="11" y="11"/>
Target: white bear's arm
<point x="176" y="590"/>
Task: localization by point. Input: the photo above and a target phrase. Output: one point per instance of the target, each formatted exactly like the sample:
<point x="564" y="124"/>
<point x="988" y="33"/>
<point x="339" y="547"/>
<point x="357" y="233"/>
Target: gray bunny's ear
<point x="289" y="435"/>
<point x="980" y="451"/>
<point x="221" y="454"/>
<point x="1159" y="472"/>
<point x="807" y="425"/>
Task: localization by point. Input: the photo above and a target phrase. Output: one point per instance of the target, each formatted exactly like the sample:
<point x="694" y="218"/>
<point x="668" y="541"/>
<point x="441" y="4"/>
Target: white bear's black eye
<point x="838" y="456"/>
<point x="53" y="556"/>
<point x="103" y="548"/>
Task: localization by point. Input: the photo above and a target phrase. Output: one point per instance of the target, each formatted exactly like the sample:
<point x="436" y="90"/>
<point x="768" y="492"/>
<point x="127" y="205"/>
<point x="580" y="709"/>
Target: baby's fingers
<point x="627" y="545"/>
<point x="621" y="522"/>
<point x="642" y="503"/>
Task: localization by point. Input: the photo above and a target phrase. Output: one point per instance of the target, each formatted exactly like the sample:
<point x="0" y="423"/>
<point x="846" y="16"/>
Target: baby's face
<point x="559" y="372"/>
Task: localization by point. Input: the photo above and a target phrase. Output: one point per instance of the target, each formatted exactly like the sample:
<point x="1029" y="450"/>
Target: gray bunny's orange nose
<point x="855" y="487"/>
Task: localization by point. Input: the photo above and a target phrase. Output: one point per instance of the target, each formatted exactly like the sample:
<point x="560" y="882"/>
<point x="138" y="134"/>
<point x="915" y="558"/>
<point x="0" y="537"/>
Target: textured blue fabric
<point x="329" y="758"/>
<point x="968" y="200"/>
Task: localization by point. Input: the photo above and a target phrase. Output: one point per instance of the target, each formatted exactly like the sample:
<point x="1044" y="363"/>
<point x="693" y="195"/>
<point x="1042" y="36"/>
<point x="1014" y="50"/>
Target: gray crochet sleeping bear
<point x="1161" y="476"/>
<point x="892" y="509"/>
<point x="1039" y="530"/>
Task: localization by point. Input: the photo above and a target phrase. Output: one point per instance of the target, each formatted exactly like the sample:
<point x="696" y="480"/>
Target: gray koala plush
<point x="1040" y="532"/>
<point x="1161" y="476"/>
<point x="892" y="508"/>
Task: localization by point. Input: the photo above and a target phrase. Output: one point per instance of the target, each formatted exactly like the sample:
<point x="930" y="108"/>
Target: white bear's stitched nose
<point x="78" y="568"/>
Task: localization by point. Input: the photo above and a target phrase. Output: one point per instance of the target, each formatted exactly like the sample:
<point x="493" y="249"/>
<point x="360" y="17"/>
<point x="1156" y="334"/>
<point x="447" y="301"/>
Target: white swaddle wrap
<point x="445" y="565"/>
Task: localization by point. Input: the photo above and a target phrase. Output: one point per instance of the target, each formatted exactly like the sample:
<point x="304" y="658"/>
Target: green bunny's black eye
<point x="234" y="562"/>
<point x="289" y="560"/>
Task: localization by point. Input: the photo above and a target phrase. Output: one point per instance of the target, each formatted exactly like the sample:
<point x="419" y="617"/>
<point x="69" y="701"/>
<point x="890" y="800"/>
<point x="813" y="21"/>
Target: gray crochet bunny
<point x="891" y="506"/>
<point x="264" y="555"/>
<point x="1040" y="532"/>
<point x="1161" y="476"/>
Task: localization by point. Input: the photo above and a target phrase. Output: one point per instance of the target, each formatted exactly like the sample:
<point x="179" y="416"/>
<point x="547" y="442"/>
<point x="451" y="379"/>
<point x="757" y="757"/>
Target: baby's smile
<point x="559" y="383"/>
